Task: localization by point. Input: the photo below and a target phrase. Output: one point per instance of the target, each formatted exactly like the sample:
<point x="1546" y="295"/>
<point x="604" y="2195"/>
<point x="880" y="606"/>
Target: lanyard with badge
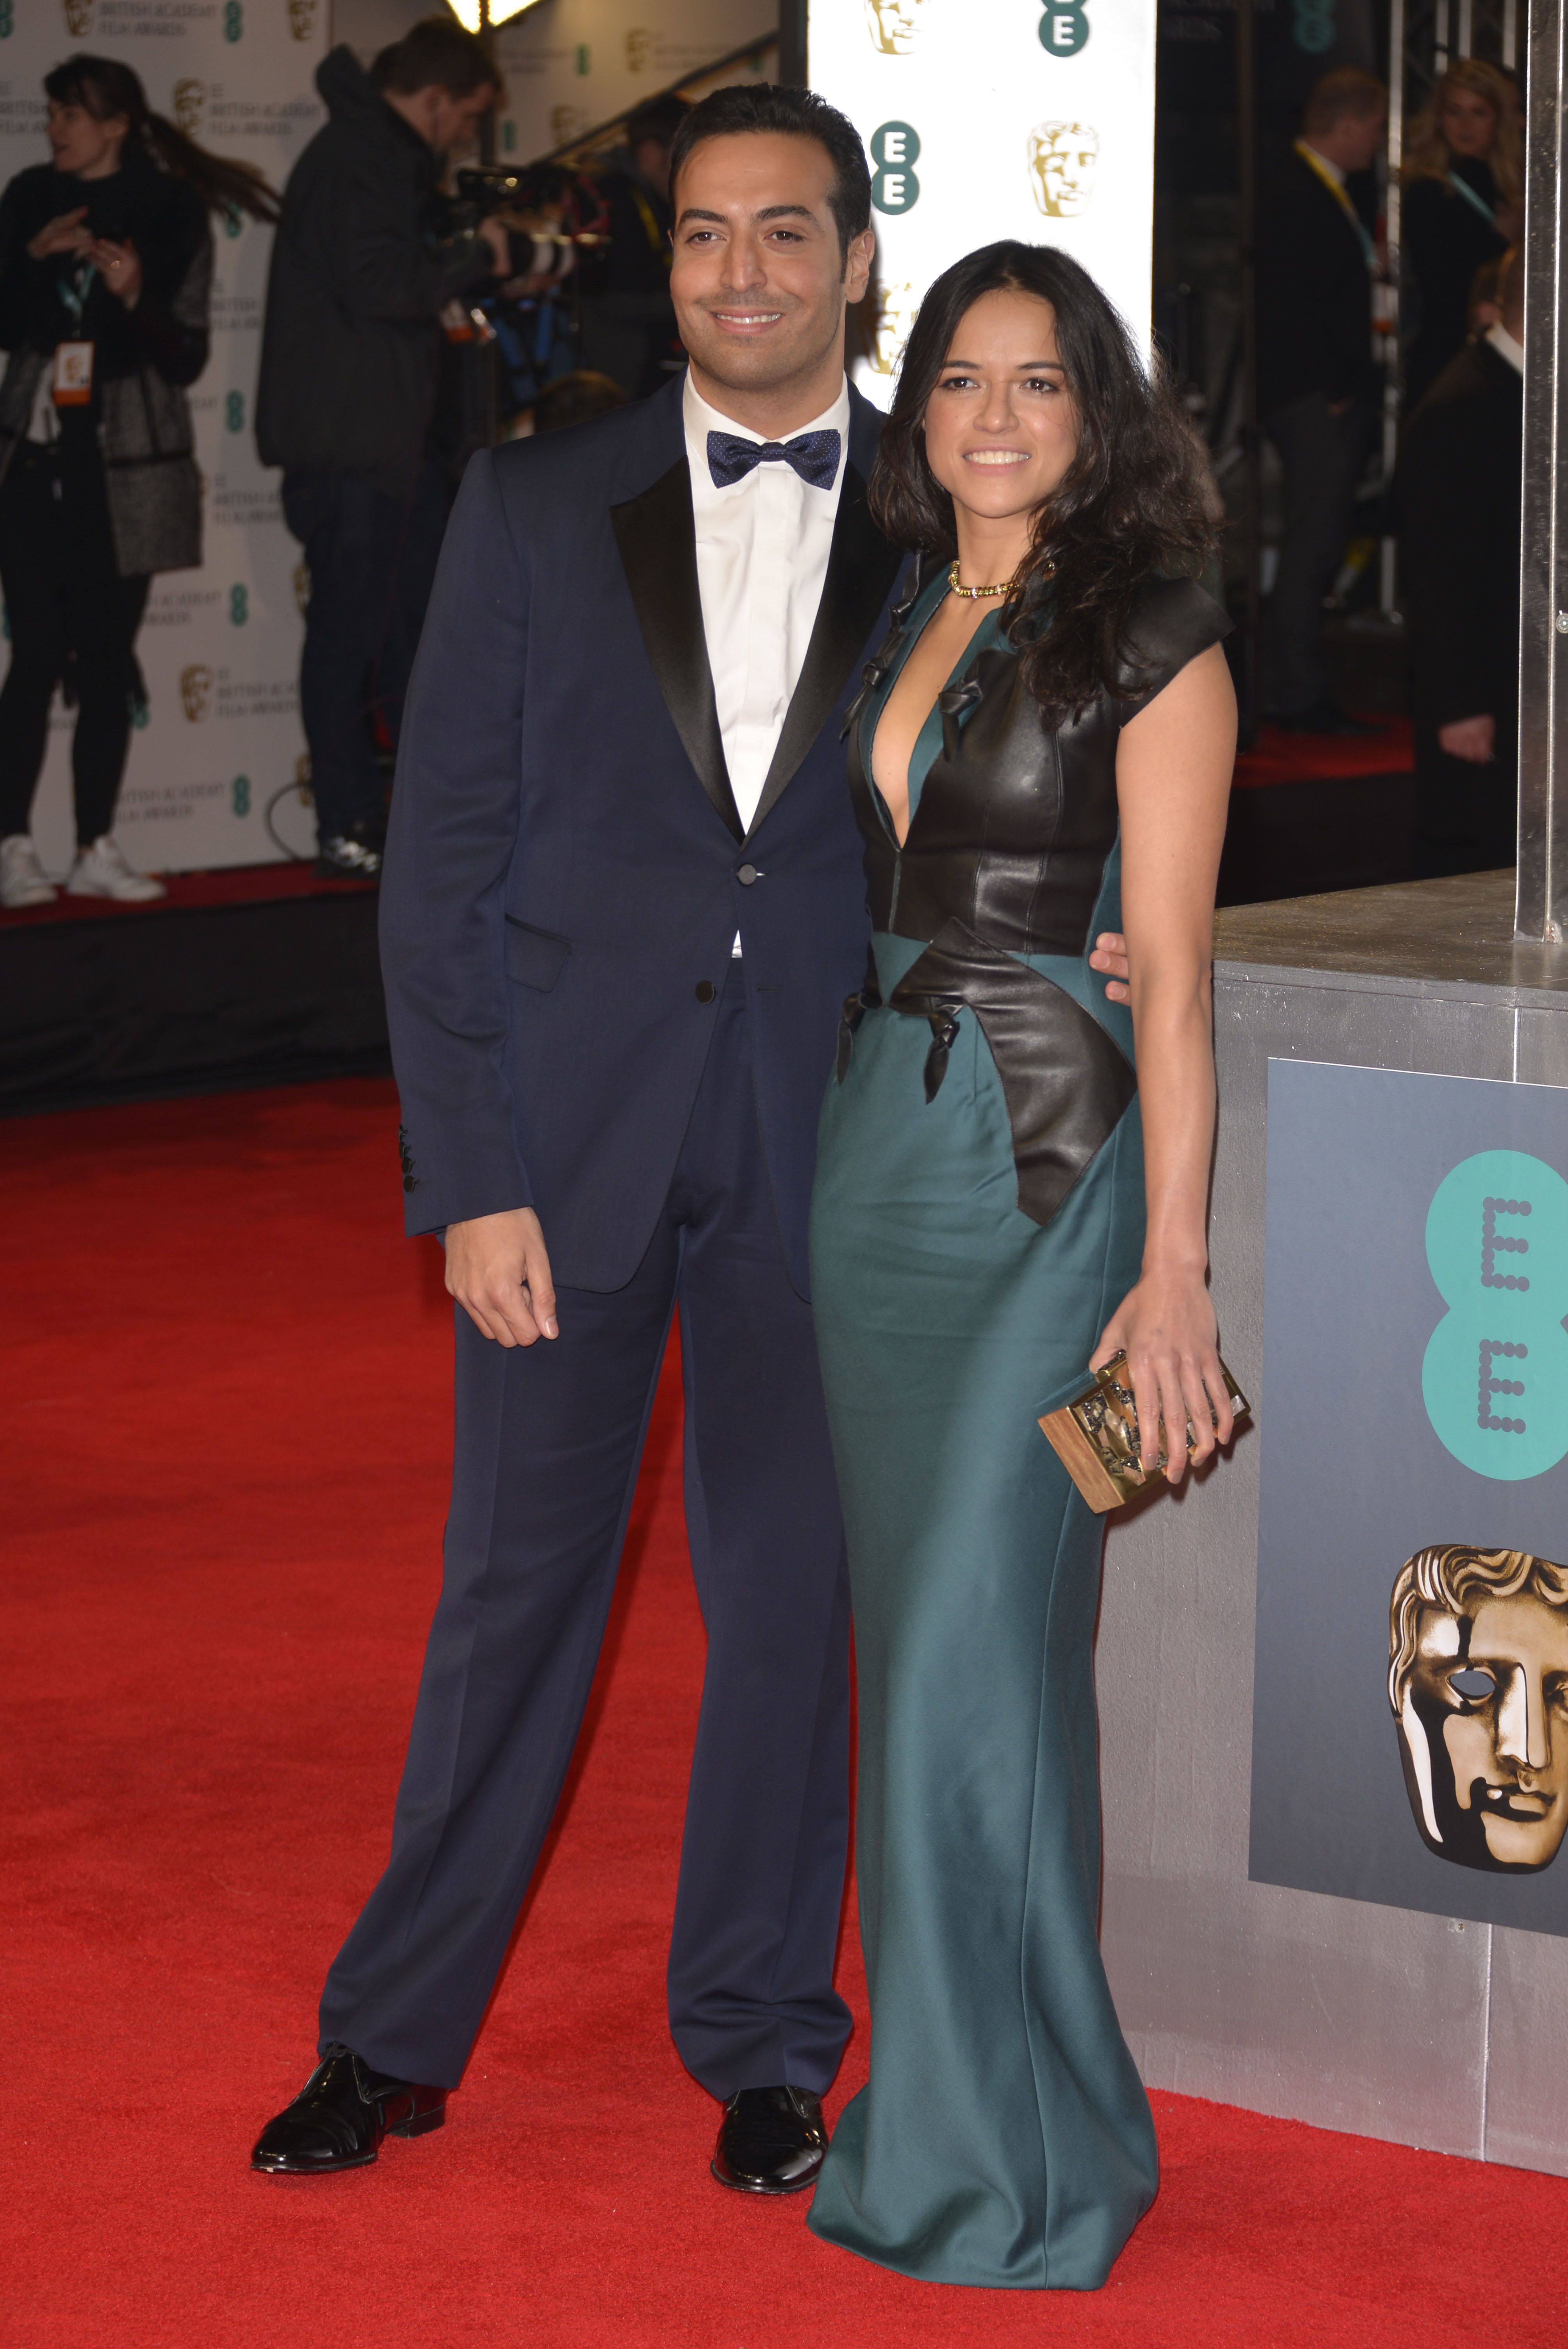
<point x="73" y="376"/>
<point x="1477" y="202"/>
<point x="1320" y="170"/>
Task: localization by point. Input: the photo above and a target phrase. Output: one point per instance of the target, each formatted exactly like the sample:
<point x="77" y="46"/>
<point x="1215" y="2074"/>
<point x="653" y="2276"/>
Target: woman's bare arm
<point x="1172" y="780"/>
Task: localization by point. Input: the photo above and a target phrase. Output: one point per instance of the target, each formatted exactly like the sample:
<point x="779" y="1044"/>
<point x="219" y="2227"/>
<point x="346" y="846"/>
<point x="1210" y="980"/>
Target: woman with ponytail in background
<point x="106" y="272"/>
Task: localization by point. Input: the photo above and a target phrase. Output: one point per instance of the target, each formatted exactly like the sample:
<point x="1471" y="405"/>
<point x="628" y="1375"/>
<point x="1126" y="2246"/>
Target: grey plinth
<point x="1421" y="2029"/>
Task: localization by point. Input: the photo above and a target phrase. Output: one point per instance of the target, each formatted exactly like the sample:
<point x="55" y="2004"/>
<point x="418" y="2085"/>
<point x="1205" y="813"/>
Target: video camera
<point x="552" y="217"/>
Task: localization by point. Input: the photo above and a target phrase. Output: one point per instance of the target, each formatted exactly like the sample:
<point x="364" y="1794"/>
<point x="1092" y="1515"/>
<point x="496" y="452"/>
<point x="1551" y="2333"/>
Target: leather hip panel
<point x="1065" y="1079"/>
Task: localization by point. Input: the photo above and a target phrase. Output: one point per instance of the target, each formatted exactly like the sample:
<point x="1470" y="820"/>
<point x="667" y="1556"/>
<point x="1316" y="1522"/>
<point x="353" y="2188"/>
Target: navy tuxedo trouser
<point x="548" y="1441"/>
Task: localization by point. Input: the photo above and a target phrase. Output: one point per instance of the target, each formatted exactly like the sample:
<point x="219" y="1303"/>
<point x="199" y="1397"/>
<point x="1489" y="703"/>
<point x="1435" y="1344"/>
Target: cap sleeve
<point x="1171" y="622"/>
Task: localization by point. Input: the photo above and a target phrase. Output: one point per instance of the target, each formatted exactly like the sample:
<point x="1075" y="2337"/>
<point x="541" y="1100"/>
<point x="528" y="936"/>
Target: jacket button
<point x="705" y="990"/>
<point x="746" y="876"/>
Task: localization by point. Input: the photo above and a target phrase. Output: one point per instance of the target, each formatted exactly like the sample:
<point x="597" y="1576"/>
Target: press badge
<point x="73" y="383"/>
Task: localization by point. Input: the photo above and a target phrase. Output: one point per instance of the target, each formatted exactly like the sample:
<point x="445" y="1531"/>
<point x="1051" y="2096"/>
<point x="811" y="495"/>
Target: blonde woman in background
<point x="1463" y="177"/>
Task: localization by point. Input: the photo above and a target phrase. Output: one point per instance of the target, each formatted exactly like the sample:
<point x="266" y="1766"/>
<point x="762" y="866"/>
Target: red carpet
<point x="1277" y="757"/>
<point x="226" y="1438"/>
<point x="232" y="884"/>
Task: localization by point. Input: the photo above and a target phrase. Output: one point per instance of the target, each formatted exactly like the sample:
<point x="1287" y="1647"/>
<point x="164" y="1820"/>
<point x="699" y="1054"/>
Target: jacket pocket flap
<point x="536" y="957"/>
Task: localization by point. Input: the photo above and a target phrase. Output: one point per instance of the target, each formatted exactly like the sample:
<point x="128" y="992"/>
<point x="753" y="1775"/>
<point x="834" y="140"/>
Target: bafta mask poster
<point x="1410" y="1712"/>
<point x="988" y="119"/>
<point x="218" y="648"/>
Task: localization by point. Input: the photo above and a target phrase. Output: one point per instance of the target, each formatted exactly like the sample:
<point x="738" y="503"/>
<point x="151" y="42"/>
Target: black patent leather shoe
<point x="770" y="2141"/>
<point x="339" y="2118"/>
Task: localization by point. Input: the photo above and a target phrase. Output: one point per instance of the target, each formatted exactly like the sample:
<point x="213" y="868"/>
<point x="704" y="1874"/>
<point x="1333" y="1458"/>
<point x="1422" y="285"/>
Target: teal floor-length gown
<point x="978" y="1216"/>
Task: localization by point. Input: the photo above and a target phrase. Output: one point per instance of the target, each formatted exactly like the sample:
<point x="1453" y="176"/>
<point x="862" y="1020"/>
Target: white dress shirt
<point x="1504" y="345"/>
<point x="762" y="548"/>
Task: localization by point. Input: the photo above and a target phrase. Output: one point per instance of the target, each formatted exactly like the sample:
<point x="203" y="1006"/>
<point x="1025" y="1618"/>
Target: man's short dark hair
<point x="436" y="52"/>
<point x="657" y="119"/>
<point x="799" y="114"/>
<point x="1348" y="90"/>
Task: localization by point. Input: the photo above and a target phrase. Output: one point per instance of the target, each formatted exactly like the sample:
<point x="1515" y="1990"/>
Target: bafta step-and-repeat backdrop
<point x="987" y="119"/>
<point x="220" y="646"/>
<point x="571" y="65"/>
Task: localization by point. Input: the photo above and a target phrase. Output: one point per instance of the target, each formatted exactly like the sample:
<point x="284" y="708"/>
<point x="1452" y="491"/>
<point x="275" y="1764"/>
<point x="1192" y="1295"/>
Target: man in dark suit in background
<point x="623" y="902"/>
<point x="1318" y="381"/>
<point x="1458" y="496"/>
<point x="627" y="319"/>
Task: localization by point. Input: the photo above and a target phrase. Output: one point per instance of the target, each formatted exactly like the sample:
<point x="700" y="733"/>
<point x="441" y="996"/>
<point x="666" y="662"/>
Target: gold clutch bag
<point x="1095" y="1437"/>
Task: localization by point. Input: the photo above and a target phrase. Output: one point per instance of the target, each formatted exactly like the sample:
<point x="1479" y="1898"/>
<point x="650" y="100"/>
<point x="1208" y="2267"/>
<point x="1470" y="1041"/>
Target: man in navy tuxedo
<point x="623" y="904"/>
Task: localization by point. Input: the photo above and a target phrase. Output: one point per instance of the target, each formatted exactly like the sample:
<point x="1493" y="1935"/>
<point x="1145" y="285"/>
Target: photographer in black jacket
<point x="360" y="275"/>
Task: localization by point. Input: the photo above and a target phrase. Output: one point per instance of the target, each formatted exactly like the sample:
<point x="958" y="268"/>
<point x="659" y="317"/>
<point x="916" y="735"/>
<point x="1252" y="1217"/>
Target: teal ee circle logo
<point x="1313" y="27"/>
<point x="234" y="411"/>
<point x="1495" y="1376"/>
<point x="239" y="607"/>
<point x="233" y="20"/>
<point x="1064" y="28"/>
<point x="240" y="796"/>
<point x="896" y="150"/>
<point x="8" y="20"/>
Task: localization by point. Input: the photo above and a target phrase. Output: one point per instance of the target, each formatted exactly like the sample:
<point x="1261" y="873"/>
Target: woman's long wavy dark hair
<point x="106" y="88"/>
<point x="1138" y="497"/>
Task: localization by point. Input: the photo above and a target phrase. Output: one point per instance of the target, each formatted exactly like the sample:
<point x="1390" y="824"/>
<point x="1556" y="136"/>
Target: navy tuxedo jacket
<point x="566" y="871"/>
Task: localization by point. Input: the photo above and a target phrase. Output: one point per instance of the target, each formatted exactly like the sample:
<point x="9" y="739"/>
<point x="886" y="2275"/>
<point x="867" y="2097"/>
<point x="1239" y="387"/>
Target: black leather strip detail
<point x="657" y="539"/>
<point x="862" y="568"/>
<point x="1066" y="1080"/>
<point x="868" y="998"/>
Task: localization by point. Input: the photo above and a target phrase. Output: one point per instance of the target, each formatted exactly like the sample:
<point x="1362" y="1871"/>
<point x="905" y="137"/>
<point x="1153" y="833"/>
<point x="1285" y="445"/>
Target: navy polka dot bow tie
<point x="814" y="456"/>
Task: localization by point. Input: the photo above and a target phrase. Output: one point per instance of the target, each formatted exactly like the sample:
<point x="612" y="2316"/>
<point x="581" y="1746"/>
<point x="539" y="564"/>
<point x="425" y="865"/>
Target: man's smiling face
<point x="759" y="281"/>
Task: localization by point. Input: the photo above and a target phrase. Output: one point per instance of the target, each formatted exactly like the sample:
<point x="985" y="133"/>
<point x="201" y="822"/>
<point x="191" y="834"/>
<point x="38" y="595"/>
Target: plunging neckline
<point x="927" y="742"/>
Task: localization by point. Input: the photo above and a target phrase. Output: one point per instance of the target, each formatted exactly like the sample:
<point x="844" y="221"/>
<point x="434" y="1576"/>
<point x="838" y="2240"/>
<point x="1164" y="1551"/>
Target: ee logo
<point x="241" y="795"/>
<point x="1064" y="28"/>
<point x="8" y="20"/>
<point x="233" y="20"/>
<point x="1495" y="1376"/>
<point x="239" y="607"/>
<point x="896" y="150"/>
<point x="1313" y="27"/>
<point x="234" y="411"/>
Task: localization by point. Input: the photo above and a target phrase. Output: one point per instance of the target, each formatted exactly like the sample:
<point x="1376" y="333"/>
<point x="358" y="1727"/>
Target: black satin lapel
<point x="862" y="568"/>
<point x="657" y="539"/>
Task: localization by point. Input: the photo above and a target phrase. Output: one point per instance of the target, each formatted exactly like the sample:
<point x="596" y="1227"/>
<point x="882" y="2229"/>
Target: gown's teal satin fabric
<point x="1004" y="2137"/>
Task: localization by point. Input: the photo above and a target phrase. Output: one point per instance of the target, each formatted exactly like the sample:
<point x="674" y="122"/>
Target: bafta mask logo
<point x="1478" y="1680"/>
<point x="196" y="691"/>
<point x="639" y="49"/>
<point x="302" y="18"/>
<point x="302" y="780"/>
<point x="565" y="122"/>
<point x="889" y="322"/>
<point x="78" y="19"/>
<point x="893" y="25"/>
<point x="190" y="100"/>
<point x="1062" y="159"/>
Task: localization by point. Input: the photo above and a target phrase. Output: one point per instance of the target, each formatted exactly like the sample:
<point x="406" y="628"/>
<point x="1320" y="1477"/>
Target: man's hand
<point x="1474" y="739"/>
<point x="1110" y="954"/>
<point x="498" y="1270"/>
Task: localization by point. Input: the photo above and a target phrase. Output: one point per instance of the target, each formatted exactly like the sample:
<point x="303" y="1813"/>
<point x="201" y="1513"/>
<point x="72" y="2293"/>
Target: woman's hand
<point x="64" y="233"/>
<point x="1166" y="1325"/>
<point x="119" y="266"/>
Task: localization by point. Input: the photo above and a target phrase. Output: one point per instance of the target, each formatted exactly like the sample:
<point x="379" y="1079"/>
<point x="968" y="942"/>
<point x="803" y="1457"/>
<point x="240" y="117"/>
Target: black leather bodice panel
<point x="1013" y="824"/>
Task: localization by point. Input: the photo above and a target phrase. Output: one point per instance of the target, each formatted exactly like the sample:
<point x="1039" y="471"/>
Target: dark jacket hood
<point x="350" y="96"/>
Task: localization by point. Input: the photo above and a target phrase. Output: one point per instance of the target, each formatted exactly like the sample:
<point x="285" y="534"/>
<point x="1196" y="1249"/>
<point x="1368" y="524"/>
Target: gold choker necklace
<point x="978" y="594"/>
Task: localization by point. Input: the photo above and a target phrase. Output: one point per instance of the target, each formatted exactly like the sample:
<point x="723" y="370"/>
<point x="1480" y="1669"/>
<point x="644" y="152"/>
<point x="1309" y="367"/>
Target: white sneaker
<point x="23" y="880"/>
<point x="101" y="870"/>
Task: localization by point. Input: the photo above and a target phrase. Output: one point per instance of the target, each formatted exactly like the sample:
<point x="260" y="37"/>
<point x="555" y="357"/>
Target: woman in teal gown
<point x="999" y="1199"/>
